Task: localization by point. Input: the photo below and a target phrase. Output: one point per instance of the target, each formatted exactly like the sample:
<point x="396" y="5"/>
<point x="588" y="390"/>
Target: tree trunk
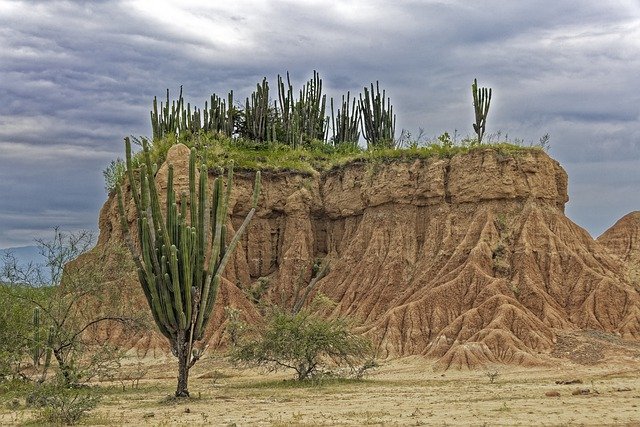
<point x="64" y="368"/>
<point x="183" y="365"/>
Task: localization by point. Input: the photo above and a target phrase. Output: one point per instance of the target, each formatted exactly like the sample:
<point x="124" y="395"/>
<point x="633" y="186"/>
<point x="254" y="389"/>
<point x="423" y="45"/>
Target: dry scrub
<point x="403" y="392"/>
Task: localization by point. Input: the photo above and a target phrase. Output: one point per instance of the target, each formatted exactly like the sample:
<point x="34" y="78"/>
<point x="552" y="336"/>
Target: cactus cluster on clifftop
<point x="292" y="120"/>
<point x="298" y="121"/>
<point x="174" y="118"/>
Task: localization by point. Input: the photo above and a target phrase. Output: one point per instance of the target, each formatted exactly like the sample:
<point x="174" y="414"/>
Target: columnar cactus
<point x="302" y="120"/>
<point x="378" y="120"/>
<point x="481" y="101"/>
<point x="346" y="122"/>
<point x="182" y="251"/>
<point x="37" y="344"/>
<point x="310" y="110"/>
<point x="219" y="118"/>
<point x="173" y="118"/>
<point x="166" y="120"/>
<point x="286" y="100"/>
<point x="258" y="126"/>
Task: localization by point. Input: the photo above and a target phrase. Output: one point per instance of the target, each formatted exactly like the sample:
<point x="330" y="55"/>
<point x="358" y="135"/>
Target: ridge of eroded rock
<point x="469" y="260"/>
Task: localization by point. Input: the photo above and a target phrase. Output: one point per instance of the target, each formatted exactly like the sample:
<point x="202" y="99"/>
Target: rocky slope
<point x="623" y="242"/>
<point x="468" y="260"/>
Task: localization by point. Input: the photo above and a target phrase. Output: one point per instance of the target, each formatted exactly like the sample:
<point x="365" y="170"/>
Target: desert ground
<point x="404" y="391"/>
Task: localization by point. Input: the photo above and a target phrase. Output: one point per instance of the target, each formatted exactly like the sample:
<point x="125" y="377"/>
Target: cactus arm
<point x="216" y="269"/>
<point x="234" y="242"/>
<point x="215" y="253"/>
<point x="211" y="297"/>
<point x="243" y="226"/>
<point x="177" y="291"/>
<point x="149" y="278"/>
<point x="201" y="227"/>
<point x="171" y="199"/>
<point x="132" y="180"/>
<point x="230" y="115"/>
<point x="193" y="208"/>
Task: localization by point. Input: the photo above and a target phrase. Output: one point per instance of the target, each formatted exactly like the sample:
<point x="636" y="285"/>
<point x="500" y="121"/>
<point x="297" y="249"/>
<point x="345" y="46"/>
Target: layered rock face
<point x="468" y="260"/>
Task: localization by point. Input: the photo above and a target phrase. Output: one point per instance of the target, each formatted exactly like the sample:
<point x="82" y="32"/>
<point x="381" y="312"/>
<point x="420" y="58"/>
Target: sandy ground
<point x="401" y="392"/>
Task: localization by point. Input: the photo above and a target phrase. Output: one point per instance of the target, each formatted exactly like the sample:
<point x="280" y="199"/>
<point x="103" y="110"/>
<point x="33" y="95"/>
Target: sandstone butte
<point x="468" y="260"/>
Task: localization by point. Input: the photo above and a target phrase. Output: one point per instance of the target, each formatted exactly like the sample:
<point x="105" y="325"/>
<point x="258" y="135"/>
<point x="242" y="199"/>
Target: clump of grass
<point x="297" y="384"/>
<point x="218" y="151"/>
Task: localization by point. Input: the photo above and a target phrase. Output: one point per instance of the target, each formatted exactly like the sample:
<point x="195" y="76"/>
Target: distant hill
<point x="25" y="255"/>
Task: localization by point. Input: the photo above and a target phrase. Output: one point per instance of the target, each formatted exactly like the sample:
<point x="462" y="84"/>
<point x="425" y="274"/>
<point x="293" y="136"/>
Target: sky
<point x="77" y="77"/>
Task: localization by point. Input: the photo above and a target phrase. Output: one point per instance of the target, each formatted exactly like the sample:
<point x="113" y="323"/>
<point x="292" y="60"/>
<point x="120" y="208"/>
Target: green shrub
<point x="113" y="174"/>
<point x="307" y="344"/>
<point x="16" y="332"/>
<point x="62" y="311"/>
<point x="59" y="404"/>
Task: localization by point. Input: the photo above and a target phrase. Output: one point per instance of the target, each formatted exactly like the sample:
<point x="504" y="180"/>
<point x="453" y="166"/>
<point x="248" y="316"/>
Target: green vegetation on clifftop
<point x="219" y="151"/>
<point x="295" y="133"/>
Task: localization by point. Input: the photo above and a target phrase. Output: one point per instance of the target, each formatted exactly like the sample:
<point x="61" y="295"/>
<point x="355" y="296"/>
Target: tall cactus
<point x="309" y="111"/>
<point x="219" y="117"/>
<point x="173" y="118"/>
<point x="378" y="120"/>
<point x="346" y="122"/>
<point x="481" y="101"/>
<point x="182" y="252"/>
<point x="167" y="119"/>
<point x="302" y="120"/>
<point x="257" y="123"/>
<point x="286" y="103"/>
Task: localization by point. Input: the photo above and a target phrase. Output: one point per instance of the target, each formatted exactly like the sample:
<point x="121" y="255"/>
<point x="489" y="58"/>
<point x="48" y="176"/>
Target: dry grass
<point x="402" y="392"/>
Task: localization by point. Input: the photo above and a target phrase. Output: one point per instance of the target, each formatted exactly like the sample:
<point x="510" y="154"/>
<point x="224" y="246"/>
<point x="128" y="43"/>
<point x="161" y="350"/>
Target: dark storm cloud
<point x="75" y="77"/>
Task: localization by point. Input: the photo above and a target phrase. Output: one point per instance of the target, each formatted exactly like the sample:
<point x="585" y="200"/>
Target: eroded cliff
<point x="469" y="259"/>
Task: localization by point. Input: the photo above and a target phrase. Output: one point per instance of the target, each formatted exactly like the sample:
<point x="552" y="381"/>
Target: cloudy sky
<point x="76" y="77"/>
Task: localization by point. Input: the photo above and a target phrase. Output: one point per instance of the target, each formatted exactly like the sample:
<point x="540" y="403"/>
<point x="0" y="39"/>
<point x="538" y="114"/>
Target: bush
<point x="16" y="332"/>
<point x="307" y="344"/>
<point x="113" y="174"/>
<point x="60" y="404"/>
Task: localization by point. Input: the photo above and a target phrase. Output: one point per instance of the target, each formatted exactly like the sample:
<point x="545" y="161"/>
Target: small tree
<point x="305" y="343"/>
<point x="15" y="334"/>
<point x="113" y="174"/>
<point x="182" y="254"/>
<point x="67" y="306"/>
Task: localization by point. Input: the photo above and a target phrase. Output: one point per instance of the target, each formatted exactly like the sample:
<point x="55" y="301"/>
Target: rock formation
<point x="468" y="260"/>
<point x="623" y="242"/>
